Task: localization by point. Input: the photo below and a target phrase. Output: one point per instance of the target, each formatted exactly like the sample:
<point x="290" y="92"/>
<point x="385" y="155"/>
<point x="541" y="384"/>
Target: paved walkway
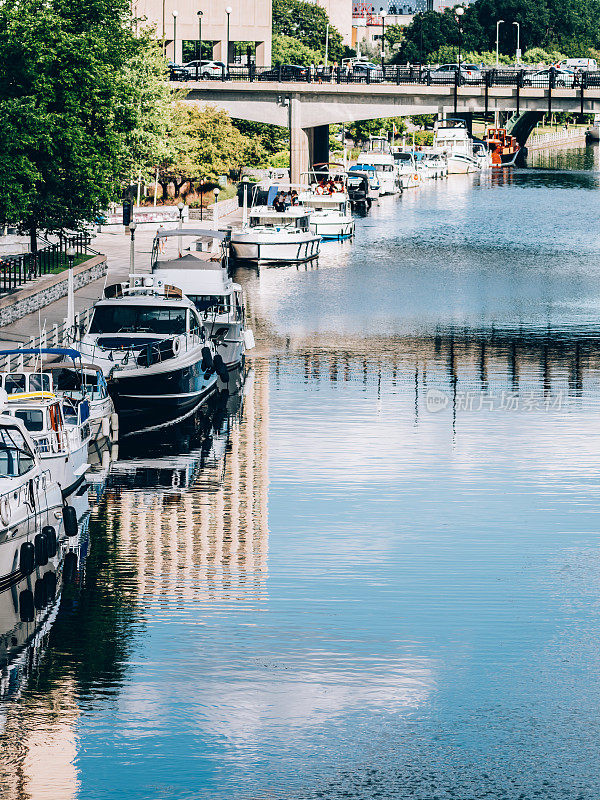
<point x="116" y="247"/>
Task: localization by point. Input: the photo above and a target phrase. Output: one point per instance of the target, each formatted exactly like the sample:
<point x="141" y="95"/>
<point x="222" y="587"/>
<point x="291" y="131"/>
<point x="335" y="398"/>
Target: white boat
<point x="276" y="236"/>
<point x="451" y="138"/>
<point x="327" y="196"/>
<point x="377" y="153"/>
<point x="205" y="280"/>
<point x="60" y="429"/>
<point x="153" y="349"/>
<point x="30" y="503"/>
<point x="406" y="169"/>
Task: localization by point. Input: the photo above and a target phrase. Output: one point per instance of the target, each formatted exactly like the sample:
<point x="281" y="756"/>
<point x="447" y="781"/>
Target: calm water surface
<point x="377" y="573"/>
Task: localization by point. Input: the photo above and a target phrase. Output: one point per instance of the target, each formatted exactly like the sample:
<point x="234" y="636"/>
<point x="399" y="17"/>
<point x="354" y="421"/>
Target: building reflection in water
<point x="194" y="525"/>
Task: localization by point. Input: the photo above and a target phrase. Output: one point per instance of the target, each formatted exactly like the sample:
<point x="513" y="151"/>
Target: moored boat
<point x="327" y="197"/>
<point x="452" y="139"/>
<point x="153" y="349"/>
<point x="503" y="147"/>
<point x="204" y="279"/>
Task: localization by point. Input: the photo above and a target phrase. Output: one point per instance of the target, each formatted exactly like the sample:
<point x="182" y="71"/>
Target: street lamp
<point x="175" y="12"/>
<point x="459" y="12"/>
<point x="201" y="197"/>
<point x="216" y="209"/>
<point x="382" y="13"/>
<point x="70" y="288"/>
<point x="228" y="11"/>
<point x="518" y="53"/>
<point x="500" y="21"/>
<point x="132" y="227"/>
<point x="199" y="56"/>
<point x="180" y="207"/>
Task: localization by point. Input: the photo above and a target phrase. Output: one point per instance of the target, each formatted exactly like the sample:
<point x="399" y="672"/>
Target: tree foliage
<point x="570" y="26"/>
<point x="306" y="24"/>
<point x="70" y="107"/>
<point x="287" y="50"/>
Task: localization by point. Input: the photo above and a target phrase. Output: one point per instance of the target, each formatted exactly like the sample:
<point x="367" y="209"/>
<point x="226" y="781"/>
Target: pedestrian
<point x="320" y="71"/>
<point x="334" y="71"/>
<point x="162" y="243"/>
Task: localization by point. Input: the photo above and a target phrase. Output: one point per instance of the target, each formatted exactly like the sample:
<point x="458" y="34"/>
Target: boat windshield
<point x="16" y="457"/>
<point x="32" y="418"/>
<point x="218" y="303"/>
<point x="402" y="156"/>
<point x="138" y="319"/>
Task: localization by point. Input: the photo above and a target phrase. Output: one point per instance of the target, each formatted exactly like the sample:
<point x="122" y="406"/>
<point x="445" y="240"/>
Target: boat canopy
<point x="169" y="234"/>
<point x="46" y="351"/>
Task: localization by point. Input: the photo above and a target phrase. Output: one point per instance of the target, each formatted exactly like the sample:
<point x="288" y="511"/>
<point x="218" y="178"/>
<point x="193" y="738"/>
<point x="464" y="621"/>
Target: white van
<point x="579" y="63"/>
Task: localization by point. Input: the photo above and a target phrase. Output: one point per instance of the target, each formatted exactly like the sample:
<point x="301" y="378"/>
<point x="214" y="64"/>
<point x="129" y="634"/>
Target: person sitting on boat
<point x="287" y="199"/>
<point x="294" y="198"/>
<point x="321" y="187"/>
<point x="279" y="203"/>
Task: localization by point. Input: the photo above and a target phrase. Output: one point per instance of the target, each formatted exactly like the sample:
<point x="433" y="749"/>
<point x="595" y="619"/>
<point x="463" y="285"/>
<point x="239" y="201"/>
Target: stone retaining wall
<point x="48" y="288"/>
<point x="225" y="207"/>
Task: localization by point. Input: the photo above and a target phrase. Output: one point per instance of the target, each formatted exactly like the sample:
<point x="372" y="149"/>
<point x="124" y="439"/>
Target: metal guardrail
<point x="392" y="74"/>
<point x="19" y="269"/>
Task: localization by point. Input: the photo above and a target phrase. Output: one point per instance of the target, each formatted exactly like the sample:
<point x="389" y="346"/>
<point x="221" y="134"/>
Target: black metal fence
<point x="15" y="270"/>
<point x="420" y="75"/>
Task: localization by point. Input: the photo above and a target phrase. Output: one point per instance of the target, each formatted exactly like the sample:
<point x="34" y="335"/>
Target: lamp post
<point x="518" y="53"/>
<point x="132" y="227"/>
<point x="201" y="197"/>
<point x="216" y="209"/>
<point x="459" y="12"/>
<point x="228" y="11"/>
<point x="180" y="207"/>
<point x="326" y="45"/>
<point x="500" y="21"/>
<point x="70" y="288"/>
<point x="175" y="13"/>
<point x="383" y="13"/>
<point x="199" y="56"/>
<point x="164" y="41"/>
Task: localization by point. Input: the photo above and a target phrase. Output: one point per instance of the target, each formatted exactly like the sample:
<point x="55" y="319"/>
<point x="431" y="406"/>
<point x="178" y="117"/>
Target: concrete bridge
<point x="308" y="109"/>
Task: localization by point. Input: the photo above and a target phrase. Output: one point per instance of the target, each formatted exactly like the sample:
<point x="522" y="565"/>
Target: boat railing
<point x="12" y="498"/>
<point x="50" y="442"/>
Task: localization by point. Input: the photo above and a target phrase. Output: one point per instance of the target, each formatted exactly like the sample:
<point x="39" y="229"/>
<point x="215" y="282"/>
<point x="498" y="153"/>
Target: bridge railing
<point x="417" y="75"/>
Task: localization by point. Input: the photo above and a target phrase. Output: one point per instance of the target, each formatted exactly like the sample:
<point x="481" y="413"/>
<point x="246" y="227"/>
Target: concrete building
<point x="178" y="22"/>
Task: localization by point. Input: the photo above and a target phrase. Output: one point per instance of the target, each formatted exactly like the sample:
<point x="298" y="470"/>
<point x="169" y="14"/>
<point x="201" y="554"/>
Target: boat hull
<point x="462" y="165"/>
<point x="333" y="229"/>
<point x="293" y="250"/>
<point x="146" y="400"/>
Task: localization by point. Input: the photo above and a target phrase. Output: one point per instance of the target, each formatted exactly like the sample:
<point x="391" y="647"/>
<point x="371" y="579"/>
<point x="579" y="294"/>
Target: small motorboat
<point x="503" y="147"/>
<point x="203" y="276"/>
<point x="406" y="168"/>
<point x="327" y="196"/>
<point x="452" y="138"/>
<point x="377" y="154"/>
<point x="31" y="503"/>
<point x="275" y="236"/>
<point x="153" y="348"/>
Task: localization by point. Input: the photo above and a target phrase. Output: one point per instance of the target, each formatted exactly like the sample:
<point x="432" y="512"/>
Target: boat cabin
<point x="294" y="217"/>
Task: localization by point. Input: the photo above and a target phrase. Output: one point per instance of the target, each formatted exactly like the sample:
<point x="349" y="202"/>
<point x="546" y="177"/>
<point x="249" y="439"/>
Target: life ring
<point x="416" y="177"/>
<point x="176" y="347"/>
<point x="5" y="510"/>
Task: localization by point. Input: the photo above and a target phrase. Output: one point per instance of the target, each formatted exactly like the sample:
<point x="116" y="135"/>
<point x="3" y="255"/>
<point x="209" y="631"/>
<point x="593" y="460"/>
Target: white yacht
<point x="204" y="279"/>
<point x="406" y="168"/>
<point x="31" y="503"/>
<point x="270" y="236"/>
<point x="153" y="349"/>
<point x="378" y="154"/>
<point x="327" y="196"/>
<point x="60" y="429"/>
<point x="451" y="138"/>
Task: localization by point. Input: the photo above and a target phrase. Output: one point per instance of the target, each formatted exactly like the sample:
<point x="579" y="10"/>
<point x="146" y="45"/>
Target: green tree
<point x="63" y="63"/>
<point x="287" y="50"/>
<point x="361" y="131"/>
<point x="307" y="25"/>
<point x="205" y="144"/>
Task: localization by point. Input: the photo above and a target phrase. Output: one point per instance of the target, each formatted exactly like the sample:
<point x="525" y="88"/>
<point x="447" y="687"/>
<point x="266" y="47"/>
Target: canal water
<point x="376" y="572"/>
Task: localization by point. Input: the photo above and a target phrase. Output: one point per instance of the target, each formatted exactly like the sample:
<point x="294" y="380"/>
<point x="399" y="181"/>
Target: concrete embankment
<point x="560" y="138"/>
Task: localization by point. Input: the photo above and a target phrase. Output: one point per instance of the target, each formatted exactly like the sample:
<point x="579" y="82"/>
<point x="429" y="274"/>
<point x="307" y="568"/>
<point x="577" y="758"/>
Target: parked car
<point x="474" y="74"/>
<point x="178" y="73"/>
<point x="287" y="72"/>
<point x="541" y="78"/>
<point x="206" y="69"/>
<point x="446" y="74"/>
<point x="361" y="69"/>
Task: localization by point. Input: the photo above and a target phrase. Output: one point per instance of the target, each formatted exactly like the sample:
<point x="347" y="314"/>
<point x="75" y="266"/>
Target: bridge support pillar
<point x="320" y="145"/>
